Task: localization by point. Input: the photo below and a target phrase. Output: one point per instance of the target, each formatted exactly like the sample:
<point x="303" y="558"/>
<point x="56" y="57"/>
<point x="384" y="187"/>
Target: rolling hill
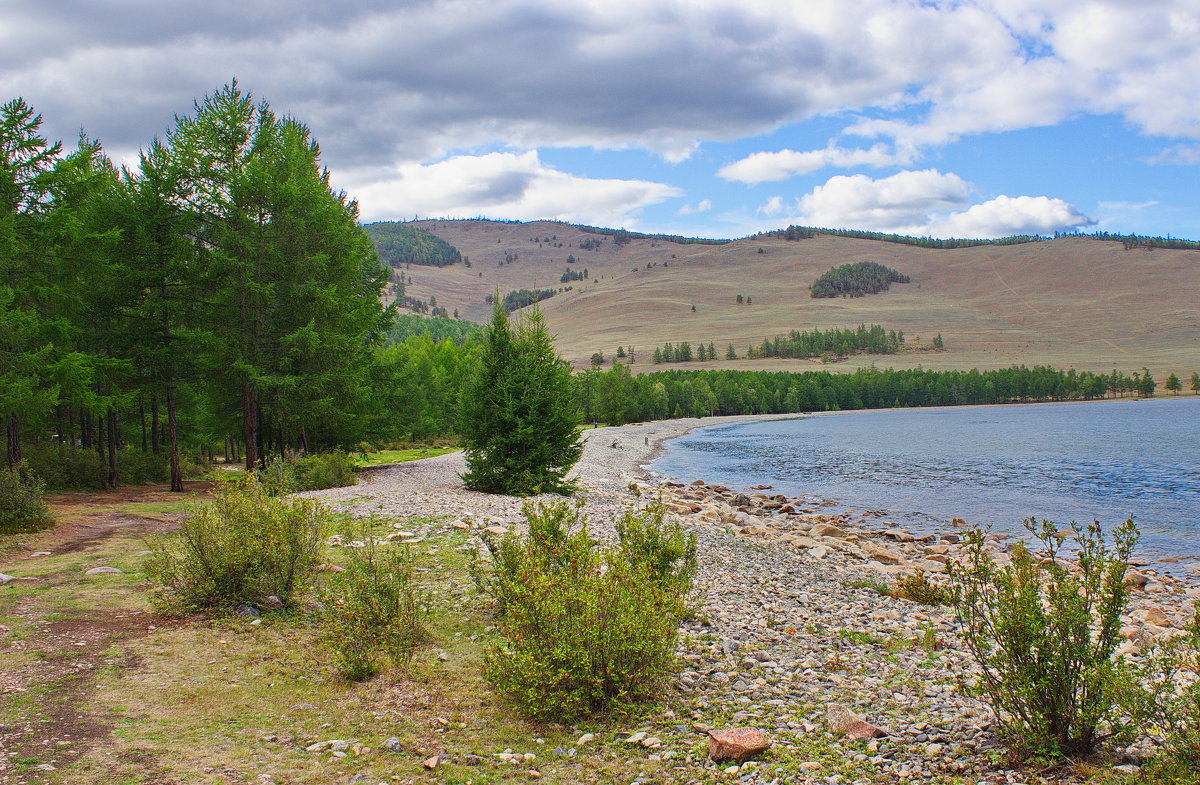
<point x="1072" y="302"/>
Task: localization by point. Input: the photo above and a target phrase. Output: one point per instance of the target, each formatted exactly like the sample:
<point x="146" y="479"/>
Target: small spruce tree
<point x="1173" y="384"/>
<point x="517" y="413"/>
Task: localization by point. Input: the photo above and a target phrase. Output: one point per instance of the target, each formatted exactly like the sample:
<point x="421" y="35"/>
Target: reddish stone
<point x="864" y="730"/>
<point x="737" y="744"/>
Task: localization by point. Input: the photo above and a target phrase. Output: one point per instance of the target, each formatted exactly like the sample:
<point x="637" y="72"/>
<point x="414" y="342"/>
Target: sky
<point x="710" y="118"/>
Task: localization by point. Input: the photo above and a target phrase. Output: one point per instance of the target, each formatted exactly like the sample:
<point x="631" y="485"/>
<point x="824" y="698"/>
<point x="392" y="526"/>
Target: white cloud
<point x="773" y="206"/>
<point x="382" y="82"/>
<point x="507" y="186"/>
<point x="772" y="167"/>
<point x="924" y="203"/>
<point x="1180" y="154"/>
<point x="891" y="204"/>
<point x="1009" y="215"/>
<point x="703" y="206"/>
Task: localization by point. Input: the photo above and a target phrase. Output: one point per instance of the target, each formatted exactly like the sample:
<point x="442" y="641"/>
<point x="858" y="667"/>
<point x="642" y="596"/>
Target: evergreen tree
<point x="1195" y="385"/>
<point x="518" y="414"/>
<point x="1173" y="384"/>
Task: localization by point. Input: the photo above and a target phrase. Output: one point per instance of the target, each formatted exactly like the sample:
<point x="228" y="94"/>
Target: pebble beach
<point x="791" y="636"/>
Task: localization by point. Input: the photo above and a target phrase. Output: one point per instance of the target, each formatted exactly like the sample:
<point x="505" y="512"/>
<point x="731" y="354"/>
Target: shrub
<point x="585" y="628"/>
<point x="310" y="473"/>
<point x="22" y="507"/>
<point x="1170" y="675"/>
<point x="373" y="615"/>
<point x="325" y="470"/>
<point x="1045" y="637"/>
<point x="135" y="467"/>
<point x="64" y="467"/>
<point x="659" y="547"/>
<point x="240" y="548"/>
<point x="919" y="589"/>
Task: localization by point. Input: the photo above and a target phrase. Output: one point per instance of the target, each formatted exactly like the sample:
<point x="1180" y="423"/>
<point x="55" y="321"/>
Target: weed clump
<point x="916" y="587"/>
<point x="1045" y="637"/>
<point x="22" y="506"/>
<point x="373" y="616"/>
<point x="586" y="628"/>
<point x="239" y="548"/>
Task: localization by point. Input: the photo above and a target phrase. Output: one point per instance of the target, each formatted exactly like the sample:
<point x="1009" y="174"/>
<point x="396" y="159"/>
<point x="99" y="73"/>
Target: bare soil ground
<point x="65" y="630"/>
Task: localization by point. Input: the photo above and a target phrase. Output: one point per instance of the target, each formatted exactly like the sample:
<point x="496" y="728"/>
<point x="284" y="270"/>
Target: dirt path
<point x="62" y="631"/>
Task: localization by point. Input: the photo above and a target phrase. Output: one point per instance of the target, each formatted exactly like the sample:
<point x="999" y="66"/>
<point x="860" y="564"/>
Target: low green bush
<point x="585" y="628"/>
<point x="1045" y="637"/>
<point x="1169" y="673"/>
<point x="240" y="548"/>
<point x="22" y="507"/>
<point x="916" y="587"/>
<point x="373" y="616"/>
<point x="310" y="473"/>
<point x="63" y="467"/>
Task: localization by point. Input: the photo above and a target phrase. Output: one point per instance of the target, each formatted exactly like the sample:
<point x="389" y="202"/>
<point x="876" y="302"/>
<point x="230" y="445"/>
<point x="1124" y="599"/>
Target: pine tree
<point x="517" y="413"/>
<point x="1173" y="384"/>
<point x="1195" y="385"/>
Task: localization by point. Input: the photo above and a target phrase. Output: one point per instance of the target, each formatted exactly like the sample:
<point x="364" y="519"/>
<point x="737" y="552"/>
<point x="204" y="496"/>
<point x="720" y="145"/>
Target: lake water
<point x="988" y="465"/>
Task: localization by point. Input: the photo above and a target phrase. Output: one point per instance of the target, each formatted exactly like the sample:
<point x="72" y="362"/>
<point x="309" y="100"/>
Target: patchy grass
<point x="403" y="456"/>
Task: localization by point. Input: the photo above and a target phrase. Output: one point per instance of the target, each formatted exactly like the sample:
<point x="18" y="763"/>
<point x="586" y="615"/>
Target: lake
<point x="993" y="465"/>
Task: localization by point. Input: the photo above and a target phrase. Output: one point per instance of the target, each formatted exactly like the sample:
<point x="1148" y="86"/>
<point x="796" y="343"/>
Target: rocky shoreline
<point x="792" y="636"/>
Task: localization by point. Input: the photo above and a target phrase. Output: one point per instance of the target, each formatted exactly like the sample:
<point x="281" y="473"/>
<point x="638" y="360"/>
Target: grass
<point x="403" y="456"/>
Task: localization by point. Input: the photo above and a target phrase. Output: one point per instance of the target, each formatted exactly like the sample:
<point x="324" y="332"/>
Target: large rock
<point x="4" y="579"/>
<point x="828" y="530"/>
<point x="883" y="555"/>
<point x="846" y="723"/>
<point x="103" y="571"/>
<point x="737" y="744"/>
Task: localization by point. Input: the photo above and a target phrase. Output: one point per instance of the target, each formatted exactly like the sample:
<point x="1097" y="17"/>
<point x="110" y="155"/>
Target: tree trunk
<point x="155" y="436"/>
<point x="142" y="420"/>
<point x="173" y="436"/>
<point x="250" y="425"/>
<point x="14" y="441"/>
<point x="112" y="447"/>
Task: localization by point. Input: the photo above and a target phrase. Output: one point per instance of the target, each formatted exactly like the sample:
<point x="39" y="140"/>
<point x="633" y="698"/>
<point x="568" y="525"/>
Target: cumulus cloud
<point x="703" y="206"/>
<point x="1009" y="215"/>
<point x="507" y="186"/>
<point x="925" y="203"/>
<point x="891" y="204"/>
<point x="772" y="167"/>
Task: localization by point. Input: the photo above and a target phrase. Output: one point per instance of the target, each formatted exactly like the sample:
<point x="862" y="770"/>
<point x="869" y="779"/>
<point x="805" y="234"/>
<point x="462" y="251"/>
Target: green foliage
<point x="292" y="474"/>
<point x="373" y="617"/>
<point x="438" y="328"/>
<point x="856" y="279"/>
<point x="517" y="414"/>
<point x="243" y="546"/>
<point x="585" y="629"/>
<point x="1045" y="637"/>
<point x="520" y="298"/>
<point x="63" y="467"/>
<point x="661" y="548"/>
<point x="399" y="244"/>
<point x="917" y="587"/>
<point x="1170" y="702"/>
<point x="22" y="507"/>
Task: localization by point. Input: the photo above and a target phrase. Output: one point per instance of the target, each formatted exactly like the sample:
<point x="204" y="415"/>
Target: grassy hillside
<point x="1072" y="302"/>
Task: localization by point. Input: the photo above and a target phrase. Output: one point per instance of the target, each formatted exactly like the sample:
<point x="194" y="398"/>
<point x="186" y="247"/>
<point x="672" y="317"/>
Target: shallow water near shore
<point x="987" y="465"/>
